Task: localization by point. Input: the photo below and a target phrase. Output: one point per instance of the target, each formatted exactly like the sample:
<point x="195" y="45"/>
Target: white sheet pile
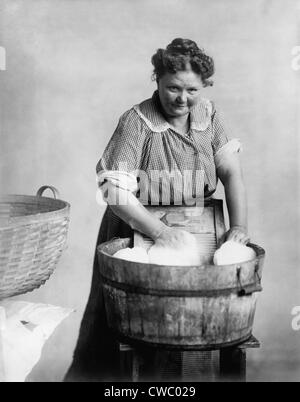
<point x="24" y="329"/>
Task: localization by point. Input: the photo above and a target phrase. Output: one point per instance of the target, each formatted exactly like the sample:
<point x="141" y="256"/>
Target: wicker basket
<point x="33" y="233"/>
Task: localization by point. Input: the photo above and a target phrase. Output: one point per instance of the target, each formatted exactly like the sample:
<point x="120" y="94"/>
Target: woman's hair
<point x="177" y="55"/>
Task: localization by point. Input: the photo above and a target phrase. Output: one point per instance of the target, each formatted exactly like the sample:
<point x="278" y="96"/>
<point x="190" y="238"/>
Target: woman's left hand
<point x="235" y="233"/>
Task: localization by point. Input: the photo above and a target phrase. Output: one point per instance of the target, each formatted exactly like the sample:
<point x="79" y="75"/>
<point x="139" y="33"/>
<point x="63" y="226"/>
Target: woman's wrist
<point x="150" y="226"/>
<point x="159" y="231"/>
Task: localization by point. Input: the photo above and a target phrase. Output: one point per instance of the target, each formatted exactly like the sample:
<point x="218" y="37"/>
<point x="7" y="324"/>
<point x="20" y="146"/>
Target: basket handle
<point x="43" y="188"/>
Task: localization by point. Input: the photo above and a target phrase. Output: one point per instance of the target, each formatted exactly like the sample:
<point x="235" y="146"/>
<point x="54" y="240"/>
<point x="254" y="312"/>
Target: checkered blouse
<point x="148" y="156"/>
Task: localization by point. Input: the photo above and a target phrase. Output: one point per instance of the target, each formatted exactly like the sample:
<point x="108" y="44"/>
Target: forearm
<point x="236" y="201"/>
<point x="125" y="205"/>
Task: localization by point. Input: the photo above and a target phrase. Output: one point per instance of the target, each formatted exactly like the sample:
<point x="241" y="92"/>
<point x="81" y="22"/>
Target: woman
<point x="175" y="131"/>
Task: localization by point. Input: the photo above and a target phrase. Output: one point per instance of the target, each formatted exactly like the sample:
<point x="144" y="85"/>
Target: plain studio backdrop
<point x="73" y="67"/>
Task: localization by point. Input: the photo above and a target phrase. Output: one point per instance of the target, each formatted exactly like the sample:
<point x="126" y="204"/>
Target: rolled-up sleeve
<point x="223" y="147"/>
<point x="122" y="156"/>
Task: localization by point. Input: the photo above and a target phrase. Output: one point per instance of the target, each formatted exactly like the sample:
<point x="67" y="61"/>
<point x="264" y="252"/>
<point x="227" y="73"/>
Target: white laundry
<point x="232" y="252"/>
<point x="188" y="254"/>
<point x="136" y="254"/>
<point x="167" y="256"/>
<point x="24" y="329"/>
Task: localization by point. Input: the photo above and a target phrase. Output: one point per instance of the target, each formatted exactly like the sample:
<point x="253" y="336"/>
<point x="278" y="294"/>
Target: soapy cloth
<point x="24" y="329"/>
<point x="186" y="254"/>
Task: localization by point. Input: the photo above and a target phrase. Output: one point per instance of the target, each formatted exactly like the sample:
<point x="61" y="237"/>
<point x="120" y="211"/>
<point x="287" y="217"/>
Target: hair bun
<point x="183" y="46"/>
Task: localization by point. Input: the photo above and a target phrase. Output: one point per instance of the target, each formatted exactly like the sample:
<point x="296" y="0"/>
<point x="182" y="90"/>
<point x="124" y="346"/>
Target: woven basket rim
<point x="63" y="208"/>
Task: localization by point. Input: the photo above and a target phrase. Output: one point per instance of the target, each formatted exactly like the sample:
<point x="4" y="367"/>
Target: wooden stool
<point x="232" y="361"/>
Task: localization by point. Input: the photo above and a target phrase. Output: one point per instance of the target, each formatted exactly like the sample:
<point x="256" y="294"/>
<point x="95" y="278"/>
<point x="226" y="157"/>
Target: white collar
<point x="150" y="112"/>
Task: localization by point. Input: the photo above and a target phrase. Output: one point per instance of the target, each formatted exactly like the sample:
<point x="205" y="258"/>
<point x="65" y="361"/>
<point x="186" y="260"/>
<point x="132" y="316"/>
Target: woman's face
<point x="179" y="92"/>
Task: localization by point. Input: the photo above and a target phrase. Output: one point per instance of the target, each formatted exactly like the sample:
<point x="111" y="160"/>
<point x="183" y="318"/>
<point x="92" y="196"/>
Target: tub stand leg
<point x="129" y="363"/>
<point x="135" y="366"/>
<point x="233" y="360"/>
<point x="233" y="364"/>
<point x="138" y="364"/>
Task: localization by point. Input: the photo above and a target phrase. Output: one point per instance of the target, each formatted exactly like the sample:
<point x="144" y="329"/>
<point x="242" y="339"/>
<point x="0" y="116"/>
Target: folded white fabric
<point x="136" y="254"/>
<point x="24" y="328"/>
<point x="232" y="252"/>
<point x="231" y="147"/>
